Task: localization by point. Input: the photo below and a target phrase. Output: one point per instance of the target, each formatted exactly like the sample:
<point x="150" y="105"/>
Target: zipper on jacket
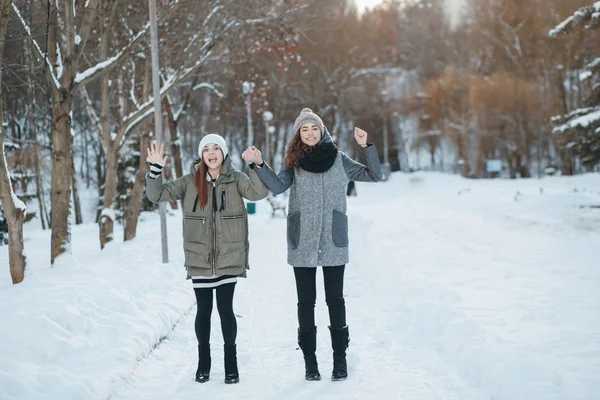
<point x="195" y="204"/>
<point x="214" y="226"/>
<point x="203" y="219"/>
<point x="233" y="217"/>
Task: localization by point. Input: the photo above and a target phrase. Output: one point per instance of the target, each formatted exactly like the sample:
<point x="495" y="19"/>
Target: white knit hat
<point x="213" y="139"/>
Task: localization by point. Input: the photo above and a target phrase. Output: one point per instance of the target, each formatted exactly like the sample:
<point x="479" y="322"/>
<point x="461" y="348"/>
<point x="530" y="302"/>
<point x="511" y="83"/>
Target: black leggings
<point x="333" y="279"/>
<point x="204" y="299"/>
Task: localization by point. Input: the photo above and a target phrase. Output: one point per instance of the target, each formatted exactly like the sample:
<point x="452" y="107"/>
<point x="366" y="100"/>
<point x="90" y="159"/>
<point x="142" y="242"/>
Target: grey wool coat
<point x="317" y="225"/>
<point x="215" y="237"/>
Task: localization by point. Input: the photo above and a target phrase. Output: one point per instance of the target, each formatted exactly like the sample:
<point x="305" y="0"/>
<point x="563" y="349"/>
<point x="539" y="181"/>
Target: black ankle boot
<point x="203" y="371"/>
<point x="231" y="370"/>
<point x="307" y="340"/>
<point x="340" y="338"/>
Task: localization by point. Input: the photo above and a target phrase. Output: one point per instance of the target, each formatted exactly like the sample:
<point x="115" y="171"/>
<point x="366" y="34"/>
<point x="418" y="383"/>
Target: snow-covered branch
<point x="581" y="118"/>
<point x="132" y="86"/>
<point x="209" y="86"/>
<point x="16" y="201"/>
<point x="594" y="66"/>
<point x="89" y="13"/>
<point x="91" y="112"/>
<point x="146" y="109"/>
<point x="106" y="66"/>
<point x="50" y="68"/>
<point x="590" y="13"/>
<point x="215" y="10"/>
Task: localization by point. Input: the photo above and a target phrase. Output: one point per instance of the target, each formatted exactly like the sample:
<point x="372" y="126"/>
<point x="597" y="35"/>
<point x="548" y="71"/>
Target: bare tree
<point x="13" y="207"/>
<point x="65" y="58"/>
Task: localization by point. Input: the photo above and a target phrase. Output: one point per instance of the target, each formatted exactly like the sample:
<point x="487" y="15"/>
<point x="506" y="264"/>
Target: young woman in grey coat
<point x="215" y="236"/>
<point x="317" y="225"/>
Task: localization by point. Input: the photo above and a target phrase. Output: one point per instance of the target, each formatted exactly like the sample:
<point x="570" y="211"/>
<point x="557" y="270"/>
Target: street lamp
<point x="267" y="118"/>
<point x="247" y="89"/>
<point x="157" y="118"/>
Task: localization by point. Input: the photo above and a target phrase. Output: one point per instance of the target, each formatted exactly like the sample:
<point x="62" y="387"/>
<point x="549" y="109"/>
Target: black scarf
<point x="321" y="157"/>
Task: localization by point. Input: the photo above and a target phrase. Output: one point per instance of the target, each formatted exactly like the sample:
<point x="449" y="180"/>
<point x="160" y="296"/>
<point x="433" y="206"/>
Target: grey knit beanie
<point x="307" y="115"/>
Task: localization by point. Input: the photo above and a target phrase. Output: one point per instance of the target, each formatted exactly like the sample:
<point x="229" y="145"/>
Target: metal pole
<point x="158" y="119"/>
<point x="250" y="138"/>
<point x="268" y="142"/>
<point x="386" y="160"/>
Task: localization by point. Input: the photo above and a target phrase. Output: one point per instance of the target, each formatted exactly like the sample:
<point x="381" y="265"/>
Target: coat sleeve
<point x="251" y="187"/>
<point x="276" y="183"/>
<point x="370" y="171"/>
<point x="157" y="191"/>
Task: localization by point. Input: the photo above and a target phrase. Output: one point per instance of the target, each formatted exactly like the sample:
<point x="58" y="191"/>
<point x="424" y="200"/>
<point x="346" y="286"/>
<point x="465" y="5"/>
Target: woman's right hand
<point x="252" y="155"/>
<point x="156" y="156"/>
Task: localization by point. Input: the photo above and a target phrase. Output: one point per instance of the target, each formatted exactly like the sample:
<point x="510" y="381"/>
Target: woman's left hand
<point x="360" y="136"/>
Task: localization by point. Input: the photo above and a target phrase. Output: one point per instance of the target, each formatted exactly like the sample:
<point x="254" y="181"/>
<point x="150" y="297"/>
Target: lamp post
<point x="158" y="119"/>
<point x="247" y="89"/>
<point x="267" y="118"/>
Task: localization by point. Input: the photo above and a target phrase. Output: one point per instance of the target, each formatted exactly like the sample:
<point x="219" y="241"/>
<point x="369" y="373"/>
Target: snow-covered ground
<point x="456" y="289"/>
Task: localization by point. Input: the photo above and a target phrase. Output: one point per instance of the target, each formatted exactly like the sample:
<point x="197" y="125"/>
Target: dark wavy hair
<point x="296" y="150"/>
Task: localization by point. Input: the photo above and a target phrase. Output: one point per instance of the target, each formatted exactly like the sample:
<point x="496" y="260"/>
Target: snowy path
<point x="446" y="300"/>
<point x="456" y="289"/>
<point x="381" y="361"/>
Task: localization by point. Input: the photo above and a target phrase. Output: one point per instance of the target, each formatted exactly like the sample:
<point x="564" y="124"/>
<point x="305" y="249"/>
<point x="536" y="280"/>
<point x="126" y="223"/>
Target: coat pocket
<point x="234" y="228"/>
<point x="194" y="229"/>
<point x="293" y="230"/>
<point x="339" y="229"/>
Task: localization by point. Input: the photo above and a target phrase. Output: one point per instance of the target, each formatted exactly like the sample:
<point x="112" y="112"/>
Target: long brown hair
<point x="201" y="183"/>
<point x="296" y="150"/>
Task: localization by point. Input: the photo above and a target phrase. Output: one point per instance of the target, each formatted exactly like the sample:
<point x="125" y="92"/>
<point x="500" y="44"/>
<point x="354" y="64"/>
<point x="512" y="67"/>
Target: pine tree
<point x="580" y="129"/>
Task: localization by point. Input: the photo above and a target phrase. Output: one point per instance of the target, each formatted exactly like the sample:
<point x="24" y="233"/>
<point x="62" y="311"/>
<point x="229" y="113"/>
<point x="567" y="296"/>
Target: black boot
<point x="307" y="340"/>
<point x="340" y="338"/>
<point x="231" y="370"/>
<point x="203" y="371"/>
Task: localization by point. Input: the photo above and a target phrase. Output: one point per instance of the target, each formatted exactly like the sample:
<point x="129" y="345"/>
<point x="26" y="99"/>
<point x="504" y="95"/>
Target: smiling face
<point x="212" y="156"/>
<point x="310" y="134"/>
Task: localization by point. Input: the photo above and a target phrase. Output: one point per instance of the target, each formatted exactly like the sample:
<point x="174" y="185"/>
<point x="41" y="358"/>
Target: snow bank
<point x="73" y="330"/>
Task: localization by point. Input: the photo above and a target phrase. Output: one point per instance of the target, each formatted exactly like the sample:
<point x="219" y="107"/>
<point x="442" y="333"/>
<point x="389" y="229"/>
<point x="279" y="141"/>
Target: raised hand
<point x="156" y="156"/>
<point x="360" y="136"/>
<point x="252" y="155"/>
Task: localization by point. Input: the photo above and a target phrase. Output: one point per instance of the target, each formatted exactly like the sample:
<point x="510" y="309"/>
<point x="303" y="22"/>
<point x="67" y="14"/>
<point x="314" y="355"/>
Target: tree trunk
<point x="39" y="190"/>
<point x="110" y="187"/>
<point x="15" y="213"/>
<point x="99" y="178"/>
<point x="167" y="173"/>
<point x="33" y="137"/>
<point x="62" y="141"/>
<point x="61" y="173"/>
<point x="432" y="152"/>
<point x="463" y="154"/>
<point x="86" y="156"/>
<point x="175" y="148"/>
<point x="76" y="201"/>
<point x="106" y="222"/>
<point x="135" y="200"/>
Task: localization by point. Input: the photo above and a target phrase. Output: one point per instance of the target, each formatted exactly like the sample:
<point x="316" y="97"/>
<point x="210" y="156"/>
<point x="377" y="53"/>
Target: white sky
<point x="362" y="4"/>
<point x="453" y="6"/>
